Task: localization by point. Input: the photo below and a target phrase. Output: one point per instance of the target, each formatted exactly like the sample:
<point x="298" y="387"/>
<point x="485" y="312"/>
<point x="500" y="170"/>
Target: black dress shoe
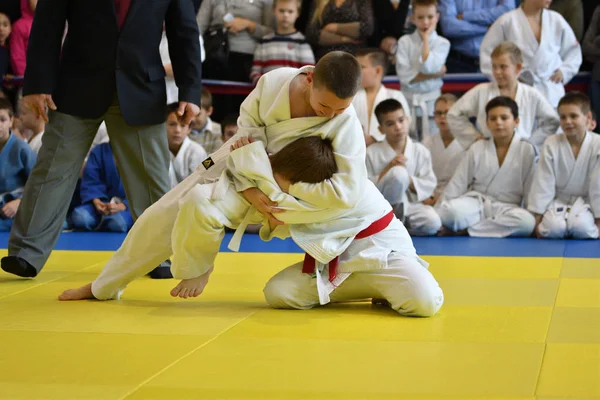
<point x="18" y="266"/>
<point x="163" y="271"/>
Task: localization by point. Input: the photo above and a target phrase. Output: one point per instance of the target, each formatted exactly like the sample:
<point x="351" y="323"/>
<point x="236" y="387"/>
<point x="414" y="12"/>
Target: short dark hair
<point x="310" y="159"/>
<point x="5" y="104"/>
<point x="377" y="57"/>
<point x="298" y="3"/>
<point x="424" y="3"/>
<point x="578" y="99"/>
<point x="171" y="108"/>
<point x="229" y="120"/>
<point x="387" y="106"/>
<point x="340" y="73"/>
<point x="502" y="101"/>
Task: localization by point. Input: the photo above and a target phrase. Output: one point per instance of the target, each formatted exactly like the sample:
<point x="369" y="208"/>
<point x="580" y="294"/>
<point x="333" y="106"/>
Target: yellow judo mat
<point x="510" y="328"/>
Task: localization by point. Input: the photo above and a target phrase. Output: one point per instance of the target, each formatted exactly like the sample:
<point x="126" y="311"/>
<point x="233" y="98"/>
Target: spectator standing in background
<point x="591" y="50"/>
<point x="284" y="48"/>
<point x="5" y="30"/>
<point x="465" y="23"/>
<point x="572" y="12"/>
<point x="339" y="25"/>
<point x="389" y="18"/>
<point x="19" y="39"/>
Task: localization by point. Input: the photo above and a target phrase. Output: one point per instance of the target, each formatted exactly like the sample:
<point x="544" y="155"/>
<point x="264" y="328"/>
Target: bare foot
<point x="191" y="287"/>
<point x="82" y="293"/>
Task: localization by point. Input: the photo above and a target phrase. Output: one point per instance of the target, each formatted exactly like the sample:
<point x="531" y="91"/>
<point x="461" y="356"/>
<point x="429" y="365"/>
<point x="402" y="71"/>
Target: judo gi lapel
<point x="510" y="161"/>
<point x="360" y="106"/>
<point x="577" y="166"/>
<point x="179" y="160"/>
<point x="528" y="36"/>
<point x="409" y="153"/>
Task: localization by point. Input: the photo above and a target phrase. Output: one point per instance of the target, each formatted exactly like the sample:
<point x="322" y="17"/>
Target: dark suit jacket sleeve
<point x="43" y="52"/>
<point x="184" y="49"/>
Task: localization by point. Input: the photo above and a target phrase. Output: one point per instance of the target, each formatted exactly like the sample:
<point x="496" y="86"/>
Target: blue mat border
<point x="438" y="246"/>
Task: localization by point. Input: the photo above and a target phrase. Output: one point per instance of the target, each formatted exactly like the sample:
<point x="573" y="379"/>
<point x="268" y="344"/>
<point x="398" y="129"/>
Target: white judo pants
<point x="568" y="221"/>
<point x="409" y="287"/>
<point x="484" y="218"/>
<point x="420" y="219"/>
<point x="148" y="243"/>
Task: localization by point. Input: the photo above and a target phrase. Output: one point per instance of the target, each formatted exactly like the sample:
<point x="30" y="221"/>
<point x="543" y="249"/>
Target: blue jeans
<point x="595" y="97"/>
<point x="86" y="218"/>
<point x="5" y="224"/>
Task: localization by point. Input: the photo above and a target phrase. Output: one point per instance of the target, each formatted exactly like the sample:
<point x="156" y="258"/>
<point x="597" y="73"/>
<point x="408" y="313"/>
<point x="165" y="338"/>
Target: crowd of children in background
<point x="447" y="165"/>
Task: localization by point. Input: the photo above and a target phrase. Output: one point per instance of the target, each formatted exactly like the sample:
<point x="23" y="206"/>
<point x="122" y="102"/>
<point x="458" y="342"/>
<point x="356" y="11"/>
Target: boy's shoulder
<point x="507" y="17"/>
<point x="421" y="147"/>
<point x="377" y="148"/>
<point x="280" y="75"/>
<point x="406" y="40"/>
<point x="195" y="146"/>
<point x="296" y="37"/>
<point x="480" y="145"/>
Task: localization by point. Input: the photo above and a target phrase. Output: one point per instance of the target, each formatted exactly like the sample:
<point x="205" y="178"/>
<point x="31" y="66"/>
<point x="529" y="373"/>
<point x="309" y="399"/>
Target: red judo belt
<point x="308" y="267"/>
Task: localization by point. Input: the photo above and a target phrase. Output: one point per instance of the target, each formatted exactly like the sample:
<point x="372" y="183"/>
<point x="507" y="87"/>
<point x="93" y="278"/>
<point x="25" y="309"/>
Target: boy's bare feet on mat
<point x="191" y="287"/>
<point x="82" y="293"/>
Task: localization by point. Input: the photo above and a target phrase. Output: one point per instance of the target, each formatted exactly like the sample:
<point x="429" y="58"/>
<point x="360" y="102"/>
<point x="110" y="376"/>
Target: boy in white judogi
<point x="186" y="155"/>
<point x="552" y="56"/>
<point x="485" y="195"/>
<point x="401" y="169"/>
<point x="377" y="262"/>
<point x="565" y="193"/>
<point x="445" y="151"/>
<point x="420" y="64"/>
<point x="374" y="63"/>
<point x="537" y="118"/>
<point x="286" y="104"/>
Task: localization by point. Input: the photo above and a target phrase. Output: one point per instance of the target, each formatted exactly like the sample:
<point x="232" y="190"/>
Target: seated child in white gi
<point x="485" y="195"/>
<point x="446" y="152"/>
<point x="537" y="118"/>
<point x="374" y="63"/>
<point x="16" y="162"/>
<point x="186" y="155"/>
<point x="205" y="131"/>
<point x="551" y="54"/>
<point x="401" y="169"/>
<point x="565" y="193"/>
<point x="420" y="64"/>
<point x="286" y="104"/>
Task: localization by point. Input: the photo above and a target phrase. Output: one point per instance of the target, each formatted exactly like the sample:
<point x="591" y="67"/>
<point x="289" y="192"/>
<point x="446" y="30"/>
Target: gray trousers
<point x="142" y="156"/>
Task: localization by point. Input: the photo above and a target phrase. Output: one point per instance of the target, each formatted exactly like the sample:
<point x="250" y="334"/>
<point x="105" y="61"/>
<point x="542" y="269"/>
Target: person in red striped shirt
<point x="286" y="47"/>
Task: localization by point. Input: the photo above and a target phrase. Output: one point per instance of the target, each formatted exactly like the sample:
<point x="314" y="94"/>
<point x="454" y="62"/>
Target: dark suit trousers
<point x="142" y="156"/>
